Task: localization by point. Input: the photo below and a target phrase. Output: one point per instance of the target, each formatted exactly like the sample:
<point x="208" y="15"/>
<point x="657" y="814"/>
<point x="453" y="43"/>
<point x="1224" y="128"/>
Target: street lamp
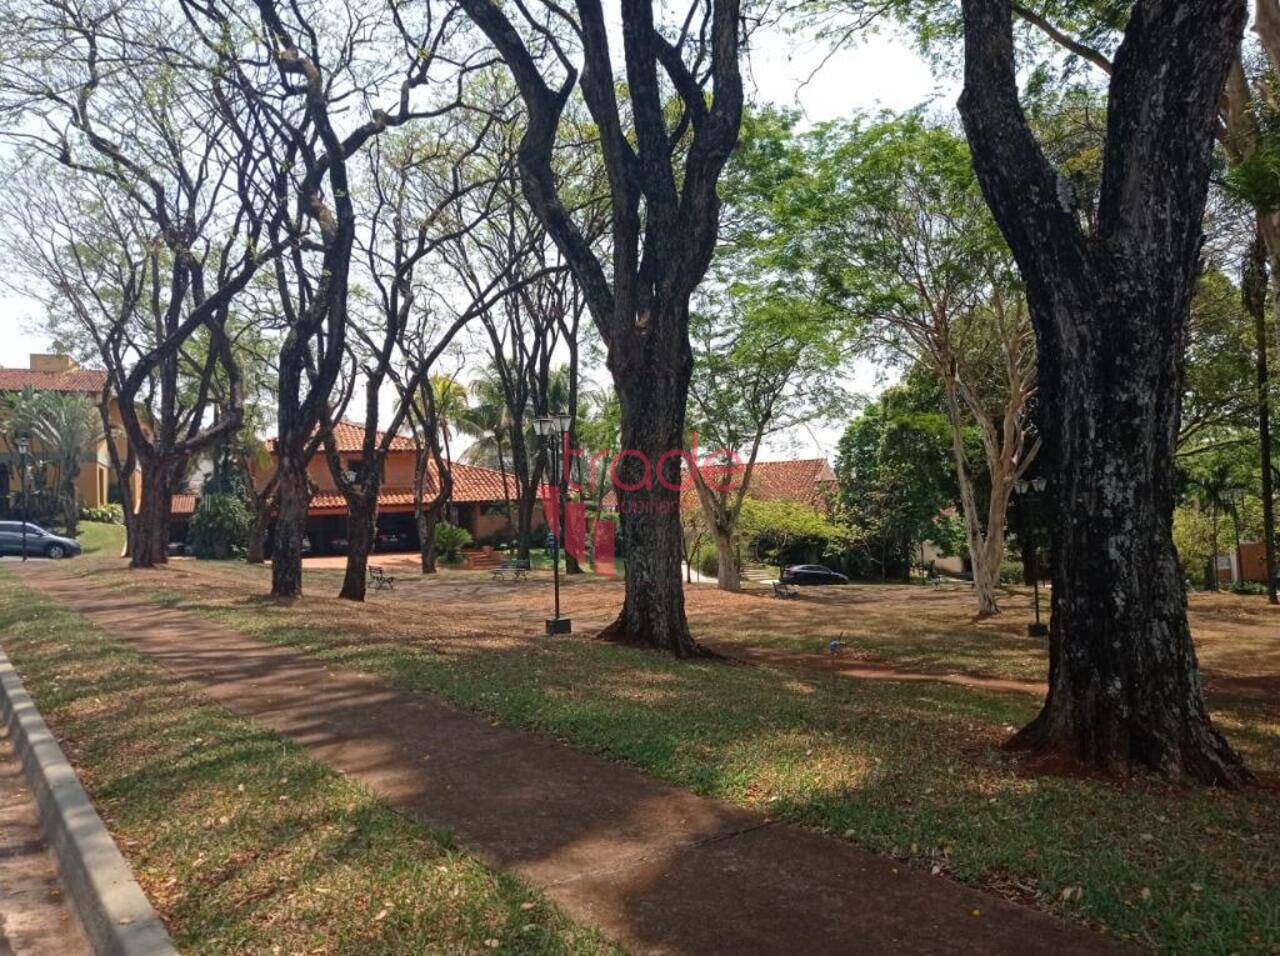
<point x="24" y="443"/>
<point x="551" y="430"/>
<point x="1025" y="487"/>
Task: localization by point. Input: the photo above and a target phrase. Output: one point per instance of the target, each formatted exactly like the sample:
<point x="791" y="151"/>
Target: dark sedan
<point x="40" y="543"/>
<point x="812" y="574"/>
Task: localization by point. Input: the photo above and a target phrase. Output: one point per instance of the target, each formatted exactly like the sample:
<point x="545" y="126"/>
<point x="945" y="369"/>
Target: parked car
<point x="812" y="574"/>
<point x="387" y="541"/>
<point x="338" y="545"/>
<point x="39" y="542"/>
<point x="177" y="549"/>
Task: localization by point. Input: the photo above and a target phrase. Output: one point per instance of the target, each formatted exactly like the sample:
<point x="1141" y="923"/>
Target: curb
<point x="110" y="905"/>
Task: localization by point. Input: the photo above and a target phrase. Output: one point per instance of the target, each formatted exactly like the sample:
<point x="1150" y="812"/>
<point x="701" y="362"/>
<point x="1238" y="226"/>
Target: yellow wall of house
<point x="398" y="471"/>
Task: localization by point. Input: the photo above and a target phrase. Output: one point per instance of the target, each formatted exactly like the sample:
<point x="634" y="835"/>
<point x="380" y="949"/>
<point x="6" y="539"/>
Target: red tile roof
<point x="89" y="380"/>
<point x="471" y="484"/>
<point x="804" y="481"/>
<point x="349" y="437"/>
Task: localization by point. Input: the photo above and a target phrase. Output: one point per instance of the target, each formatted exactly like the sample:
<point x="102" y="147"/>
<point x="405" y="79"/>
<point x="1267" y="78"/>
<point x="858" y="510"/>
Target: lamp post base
<point x="559" y="625"/>
<point x="1037" y="630"/>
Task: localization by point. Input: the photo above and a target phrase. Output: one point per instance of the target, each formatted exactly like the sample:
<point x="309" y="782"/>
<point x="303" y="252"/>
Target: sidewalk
<point x="34" y="917"/>
<point x="655" y="867"/>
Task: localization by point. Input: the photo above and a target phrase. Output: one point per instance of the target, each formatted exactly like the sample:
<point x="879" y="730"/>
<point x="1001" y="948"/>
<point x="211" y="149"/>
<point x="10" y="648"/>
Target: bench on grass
<point x="781" y="590"/>
<point x="380" y="579"/>
<point x="513" y="568"/>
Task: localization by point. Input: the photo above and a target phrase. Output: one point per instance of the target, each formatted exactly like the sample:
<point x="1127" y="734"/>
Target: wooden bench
<point x="514" y="568"/>
<point x="380" y="579"/>
<point x="781" y="590"/>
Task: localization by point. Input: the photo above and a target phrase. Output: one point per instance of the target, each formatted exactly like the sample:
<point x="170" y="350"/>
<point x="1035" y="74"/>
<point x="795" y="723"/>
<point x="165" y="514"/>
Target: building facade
<point x="478" y="502"/>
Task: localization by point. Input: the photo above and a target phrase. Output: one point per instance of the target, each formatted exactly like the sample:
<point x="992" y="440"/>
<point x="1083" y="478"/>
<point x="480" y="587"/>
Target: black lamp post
<point x="551" y="430"/>
<point x="24" y="443"/>
<point x="1025" y="488"/>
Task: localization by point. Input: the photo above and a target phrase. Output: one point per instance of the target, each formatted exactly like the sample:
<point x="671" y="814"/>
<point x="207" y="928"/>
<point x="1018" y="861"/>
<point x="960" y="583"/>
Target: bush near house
<point x="450" y="539"/>
<point x="103" y="514"/>
<point x="220" y="526"/>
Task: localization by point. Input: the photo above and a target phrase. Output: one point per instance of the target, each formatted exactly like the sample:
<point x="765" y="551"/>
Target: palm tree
<point x="487" y="423"/>
<point x="1216" y="484"/>
<point x="451" y="405"/>
<point x="68" y="426"/>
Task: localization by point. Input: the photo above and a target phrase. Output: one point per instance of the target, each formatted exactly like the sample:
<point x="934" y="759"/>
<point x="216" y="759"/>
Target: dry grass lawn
<point x="911" y="769"/>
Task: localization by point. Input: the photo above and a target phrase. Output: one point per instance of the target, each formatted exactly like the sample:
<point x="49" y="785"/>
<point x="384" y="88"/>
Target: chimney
<point x="52" y="363"/>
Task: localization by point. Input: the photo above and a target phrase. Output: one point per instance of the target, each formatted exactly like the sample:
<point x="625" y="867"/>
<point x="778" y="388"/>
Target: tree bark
<point x="70" y="507"/>
<point x="526" y="486"/>
<point x="362" y="519"/>
<point x="293" y="495"/>
<point x="1124" y="688"/>
<point x="1110" y="311"/>
<point x="256" y="552"/>
<point x="647" y="476"/>
<point x="150" y="544"/>
<point x="728" y="575"/>
<point x="1254" y="293"/>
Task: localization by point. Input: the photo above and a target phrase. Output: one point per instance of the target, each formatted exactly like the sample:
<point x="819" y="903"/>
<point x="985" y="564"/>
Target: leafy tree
<point x="663" y="159"/>
<point x="895" y="477"/>
<point x="780" y="530"/>
<point x="765" y="357"/>
<point x="893" y="228"/>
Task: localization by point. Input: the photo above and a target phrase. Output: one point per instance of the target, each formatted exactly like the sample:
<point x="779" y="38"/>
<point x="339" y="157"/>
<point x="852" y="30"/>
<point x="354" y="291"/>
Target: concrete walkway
<point x="658" y="869"/>
<point x="34" y="917"/>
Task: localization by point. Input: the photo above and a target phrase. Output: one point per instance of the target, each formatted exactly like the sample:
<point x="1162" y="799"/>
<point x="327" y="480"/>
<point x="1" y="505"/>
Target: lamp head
<point x="544" y="426"/>
<point x="24" y="443"/>
<point x="564" y="420"/>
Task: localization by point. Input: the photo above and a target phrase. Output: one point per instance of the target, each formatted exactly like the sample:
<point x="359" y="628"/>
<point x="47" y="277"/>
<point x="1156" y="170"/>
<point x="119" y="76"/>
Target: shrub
<point x="450" y="539"/>
<point x="219" y="527"/>
<point x="103" y="514"/>
<point x="1248" y="587"/>
<point x="1010" y="572"/>
<point x="708" y="560"/>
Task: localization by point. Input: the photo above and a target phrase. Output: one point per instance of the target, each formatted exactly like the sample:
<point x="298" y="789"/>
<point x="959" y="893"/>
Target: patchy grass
<point x="99" y="538"/>
<point x="911" y="770"/>
<point x="244" y="843"/>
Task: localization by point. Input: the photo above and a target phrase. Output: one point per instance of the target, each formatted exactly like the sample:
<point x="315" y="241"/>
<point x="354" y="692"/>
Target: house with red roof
<point x="96" y="485"/>
<point x="806" y="481"/>
<point x="478" y="501"/>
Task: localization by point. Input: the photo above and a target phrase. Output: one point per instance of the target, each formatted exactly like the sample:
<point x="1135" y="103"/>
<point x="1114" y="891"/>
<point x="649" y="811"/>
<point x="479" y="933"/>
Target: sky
<point x="883" y="73"/>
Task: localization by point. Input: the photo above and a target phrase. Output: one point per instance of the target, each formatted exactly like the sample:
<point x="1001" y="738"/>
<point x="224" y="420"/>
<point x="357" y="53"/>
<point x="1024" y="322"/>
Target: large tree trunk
<point x="652" y="394"/>
<point x="1110" y="312"/>
<point x="1124" y="689"/>
<point x="293" y="496"/>
<point x="362" y="519"/>
<point x="728" y="575"/>
<point x="526" y="488"/>
<point x="426" y="521"/>
<point x="150" y="544"/>
<point x="1254" y="293"/>
<point x="259" y="521"/>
